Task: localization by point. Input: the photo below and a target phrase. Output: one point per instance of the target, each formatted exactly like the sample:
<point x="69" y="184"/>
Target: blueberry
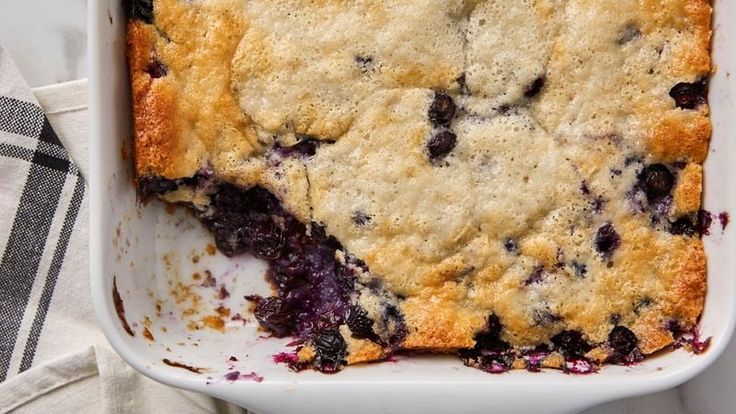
<point x="657" y="181"/>
<point x="442" y="110"/>
<point x="265" y="239"/>
<point x="690" y="95"/>
<point x="156" y="69"/>
<point x="441" y="144"/>
<point x="571" y="344"/>
<point x="140" y="10"/>
<point x="149" y="186"/>
<point x="360" y="324"/>
<point x="606" y="239"/>
<point x="683" y="226"/>
<point x="331" y="350"/>
<point x="622" y="341"/>
<point x="275" y="315"/>
<point x="535" y="87"/>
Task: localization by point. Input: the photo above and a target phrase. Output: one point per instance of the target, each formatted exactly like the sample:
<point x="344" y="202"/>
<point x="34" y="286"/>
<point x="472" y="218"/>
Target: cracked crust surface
<point x="544" y="171"/>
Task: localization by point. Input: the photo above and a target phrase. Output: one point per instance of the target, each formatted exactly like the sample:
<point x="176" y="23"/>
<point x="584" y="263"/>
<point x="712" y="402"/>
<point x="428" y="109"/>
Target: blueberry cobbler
<point x="514" y="181"/>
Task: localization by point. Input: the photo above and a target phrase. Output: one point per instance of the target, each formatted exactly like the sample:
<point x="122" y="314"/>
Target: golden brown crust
<point x="154" y="113"/>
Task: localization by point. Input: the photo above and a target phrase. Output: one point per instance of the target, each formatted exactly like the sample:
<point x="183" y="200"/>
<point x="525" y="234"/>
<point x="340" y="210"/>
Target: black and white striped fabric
<point x="41" y="194"/>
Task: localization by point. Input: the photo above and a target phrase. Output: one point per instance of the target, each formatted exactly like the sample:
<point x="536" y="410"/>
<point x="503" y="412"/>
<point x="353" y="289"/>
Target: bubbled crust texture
<point x="362" y="74"/>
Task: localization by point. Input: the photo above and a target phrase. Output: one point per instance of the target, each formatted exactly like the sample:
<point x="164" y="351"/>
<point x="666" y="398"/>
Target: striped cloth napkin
<point x="53" y="357"/>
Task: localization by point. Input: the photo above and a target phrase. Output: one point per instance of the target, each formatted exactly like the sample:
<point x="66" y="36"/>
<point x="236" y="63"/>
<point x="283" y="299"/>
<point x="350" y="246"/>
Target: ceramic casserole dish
<point x="141" y="256"/>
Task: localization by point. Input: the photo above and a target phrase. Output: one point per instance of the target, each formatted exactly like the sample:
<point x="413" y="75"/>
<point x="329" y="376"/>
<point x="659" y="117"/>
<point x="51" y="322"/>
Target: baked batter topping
<point x="518" y="181"/>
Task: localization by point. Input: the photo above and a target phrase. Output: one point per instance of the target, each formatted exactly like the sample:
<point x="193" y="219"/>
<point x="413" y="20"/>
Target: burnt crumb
<point x="630" y="33"/>
<point x="615" y="172"/>
<point x="442" y="110"/>
<point x="690" y="95"/>
<point x="365" y="63"/>
<point x="156" y="69"/>
<point x="360" y="218"/>
<point x="120" y="308"/>
<point x="615" y="318"/>
<point x="441" y="144"/>
<point x="536" y="87"/>
<point x="182" y="366"/>
<point x="139" y="10"/>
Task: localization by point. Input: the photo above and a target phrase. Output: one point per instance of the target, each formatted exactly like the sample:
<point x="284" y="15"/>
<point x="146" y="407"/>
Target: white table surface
<point x="46" y="38"/>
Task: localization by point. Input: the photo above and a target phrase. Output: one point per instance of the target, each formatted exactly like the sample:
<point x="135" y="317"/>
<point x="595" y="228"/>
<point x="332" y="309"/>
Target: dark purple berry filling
<point x="139" y="10"/>
<point x="150" y="186"/>
<point x="690" y="95"/>
<point x="571" y="344"/>
<point x="156" y="69"/>
<point x="306" y="147"/>
<point x="683" y="226"/>
<point x="606" y="239"/>
<point x="535" y="87"/>
<point x="442" y="110"/>
<point x="657" y="181"/>
<point x="275" y="315"/>
<point x="623" y="344"/>
<point x="491" y="353"/>
<point x="441" y="144"/>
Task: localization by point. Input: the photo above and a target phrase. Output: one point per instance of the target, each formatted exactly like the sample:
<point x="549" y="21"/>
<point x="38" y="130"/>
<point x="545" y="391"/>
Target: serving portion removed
<point x="518" y="182"/>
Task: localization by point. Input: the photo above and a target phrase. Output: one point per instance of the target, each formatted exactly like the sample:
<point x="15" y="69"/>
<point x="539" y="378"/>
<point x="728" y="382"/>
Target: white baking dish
<point x="129" y="242"/>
